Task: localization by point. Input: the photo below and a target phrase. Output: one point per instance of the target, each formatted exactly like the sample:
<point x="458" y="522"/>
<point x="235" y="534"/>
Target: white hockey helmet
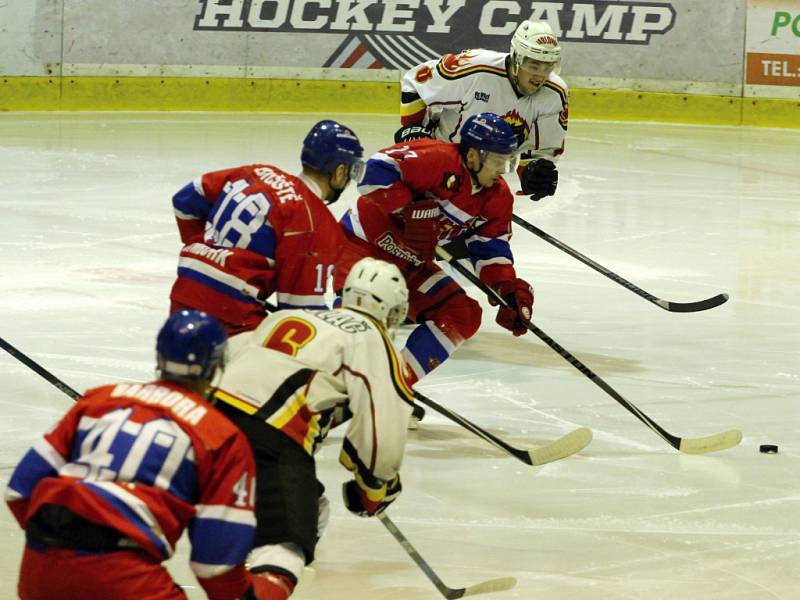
<point x="377" y="288"/>
<point x="535" y="40"/>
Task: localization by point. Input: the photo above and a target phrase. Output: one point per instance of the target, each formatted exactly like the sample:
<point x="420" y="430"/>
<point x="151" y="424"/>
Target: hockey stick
<point x="32" y="364"/>
<point x="573" y="442"/>
<point x="680" y="307"/>
<point x="711" y="443"/>
<point x="500" y="584"/>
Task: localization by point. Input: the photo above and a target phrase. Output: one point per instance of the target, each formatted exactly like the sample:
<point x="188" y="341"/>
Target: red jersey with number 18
<point x="250" y="232"/>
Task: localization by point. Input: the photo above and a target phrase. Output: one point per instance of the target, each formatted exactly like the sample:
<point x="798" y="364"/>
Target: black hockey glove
<point x="412" y="132"/>
<point x="539" y="179"/>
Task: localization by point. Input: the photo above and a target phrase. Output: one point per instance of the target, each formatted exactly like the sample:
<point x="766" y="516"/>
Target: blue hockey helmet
<point x="330" y="144"/>
<point x="487" y="132"/>
<point x="191" y="345"/>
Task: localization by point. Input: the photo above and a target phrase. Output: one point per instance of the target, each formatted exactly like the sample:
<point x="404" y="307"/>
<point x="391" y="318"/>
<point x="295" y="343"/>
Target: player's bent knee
<point x="464" y="314"/>
<point x="285" y="559"/>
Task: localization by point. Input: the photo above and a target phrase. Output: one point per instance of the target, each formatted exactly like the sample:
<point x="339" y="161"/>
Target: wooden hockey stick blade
<point x="493" y="585"/>
<point x="501" y="584"/>
<point x="711" y="443"/>
<point x="678" y="307"/>
<point x="570" y="444"/>
<point x="698" y="306"/>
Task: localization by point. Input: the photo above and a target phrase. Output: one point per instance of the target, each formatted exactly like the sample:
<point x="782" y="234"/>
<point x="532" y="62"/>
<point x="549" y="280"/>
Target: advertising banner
<point x="773" y="47"/>
<point x="401" y="33"/>
<point x="654" y="45"/>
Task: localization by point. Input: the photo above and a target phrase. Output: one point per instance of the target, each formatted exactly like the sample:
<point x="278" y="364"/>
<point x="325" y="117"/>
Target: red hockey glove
<point x="519" y="295"/>
<point x="357" y="501"/>
<point x="421" y="228"/>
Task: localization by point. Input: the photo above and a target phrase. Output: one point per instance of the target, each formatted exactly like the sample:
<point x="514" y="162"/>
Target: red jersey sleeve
<point x="44" y="459"/>
<point x="489" y="244"/>
<point x="224" y="525"/>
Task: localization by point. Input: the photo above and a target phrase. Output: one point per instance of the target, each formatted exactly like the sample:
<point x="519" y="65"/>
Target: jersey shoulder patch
<point x="455" y="66"/>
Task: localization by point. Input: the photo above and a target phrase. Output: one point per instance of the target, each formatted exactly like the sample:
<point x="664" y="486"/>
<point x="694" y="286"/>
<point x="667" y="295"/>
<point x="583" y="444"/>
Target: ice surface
<point x="88" y="254"/>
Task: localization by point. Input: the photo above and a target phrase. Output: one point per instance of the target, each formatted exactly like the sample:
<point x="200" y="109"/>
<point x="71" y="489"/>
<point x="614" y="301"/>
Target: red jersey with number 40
<point x="250" y="232"/>
<point x="149" y="460"/>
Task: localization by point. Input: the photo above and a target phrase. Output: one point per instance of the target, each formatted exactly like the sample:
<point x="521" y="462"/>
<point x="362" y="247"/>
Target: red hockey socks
<point x="272" y="586"/>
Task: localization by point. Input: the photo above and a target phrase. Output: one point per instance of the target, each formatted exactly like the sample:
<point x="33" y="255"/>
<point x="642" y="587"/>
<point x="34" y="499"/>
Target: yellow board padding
<point x="631" y="105"/>
<point x="30" y="93"/>
<point x="771" y="112"/>
<point x="306" y="95"/>
<point x="196" y="94"/>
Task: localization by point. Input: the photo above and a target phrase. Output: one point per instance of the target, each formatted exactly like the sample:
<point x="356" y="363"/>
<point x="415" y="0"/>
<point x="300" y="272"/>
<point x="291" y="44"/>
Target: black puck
<point x="768" y="449"/>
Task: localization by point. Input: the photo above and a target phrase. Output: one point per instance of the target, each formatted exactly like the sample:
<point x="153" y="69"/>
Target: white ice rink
<point x="88" y="253"/>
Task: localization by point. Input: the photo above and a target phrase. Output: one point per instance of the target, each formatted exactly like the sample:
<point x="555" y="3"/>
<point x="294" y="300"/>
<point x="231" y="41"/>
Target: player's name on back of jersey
<point x="284" y="189"/>
<point x="344" y="321"/>
<point x="182" y="407"/>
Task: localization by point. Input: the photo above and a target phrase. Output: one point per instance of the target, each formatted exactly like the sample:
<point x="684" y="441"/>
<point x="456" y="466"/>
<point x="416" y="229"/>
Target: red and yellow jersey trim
<point x="292" y="417"/>
<point x="563" y="116"/>
<point x="558" y="90"/>
<point x="412" y="108"/>
<point x="395" y="364"/>
<point x="296" y="420"/>
<point x="236" y="402"/>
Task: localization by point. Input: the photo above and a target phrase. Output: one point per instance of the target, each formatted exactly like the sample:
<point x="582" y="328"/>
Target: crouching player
<point x="104" y="495"/>
<point x="297" y="374"/>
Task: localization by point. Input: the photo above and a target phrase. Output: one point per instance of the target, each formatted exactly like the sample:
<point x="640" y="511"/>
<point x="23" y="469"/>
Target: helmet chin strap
<point x="513" y="74"/>
<point x="335" y="194"/>
<point x="473" y="173"/>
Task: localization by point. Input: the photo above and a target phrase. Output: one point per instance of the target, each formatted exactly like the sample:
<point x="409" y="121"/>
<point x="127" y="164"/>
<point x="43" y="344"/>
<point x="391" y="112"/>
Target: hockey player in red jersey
<point x="293" y="377"/>
<point x="256" y="230"/>
<point x="523" y="86"/>
<point x="104" y="495"/>
<point x="417" y="195"/>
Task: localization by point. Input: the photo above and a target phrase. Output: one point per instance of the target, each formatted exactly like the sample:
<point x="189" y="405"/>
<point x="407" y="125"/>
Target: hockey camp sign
<point x="398" y="34"/>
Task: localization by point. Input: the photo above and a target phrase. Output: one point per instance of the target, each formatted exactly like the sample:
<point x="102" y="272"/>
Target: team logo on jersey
<point x="451" y="182"/>
<point x="424" y="74"/>
<point x="518" y="125"/>
<point x="453" y="62"/>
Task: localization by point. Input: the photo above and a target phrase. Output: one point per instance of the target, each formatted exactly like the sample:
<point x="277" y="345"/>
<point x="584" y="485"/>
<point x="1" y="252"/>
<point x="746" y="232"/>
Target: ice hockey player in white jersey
<point x="292" y="378"/>
<point x="522" y="86"/>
